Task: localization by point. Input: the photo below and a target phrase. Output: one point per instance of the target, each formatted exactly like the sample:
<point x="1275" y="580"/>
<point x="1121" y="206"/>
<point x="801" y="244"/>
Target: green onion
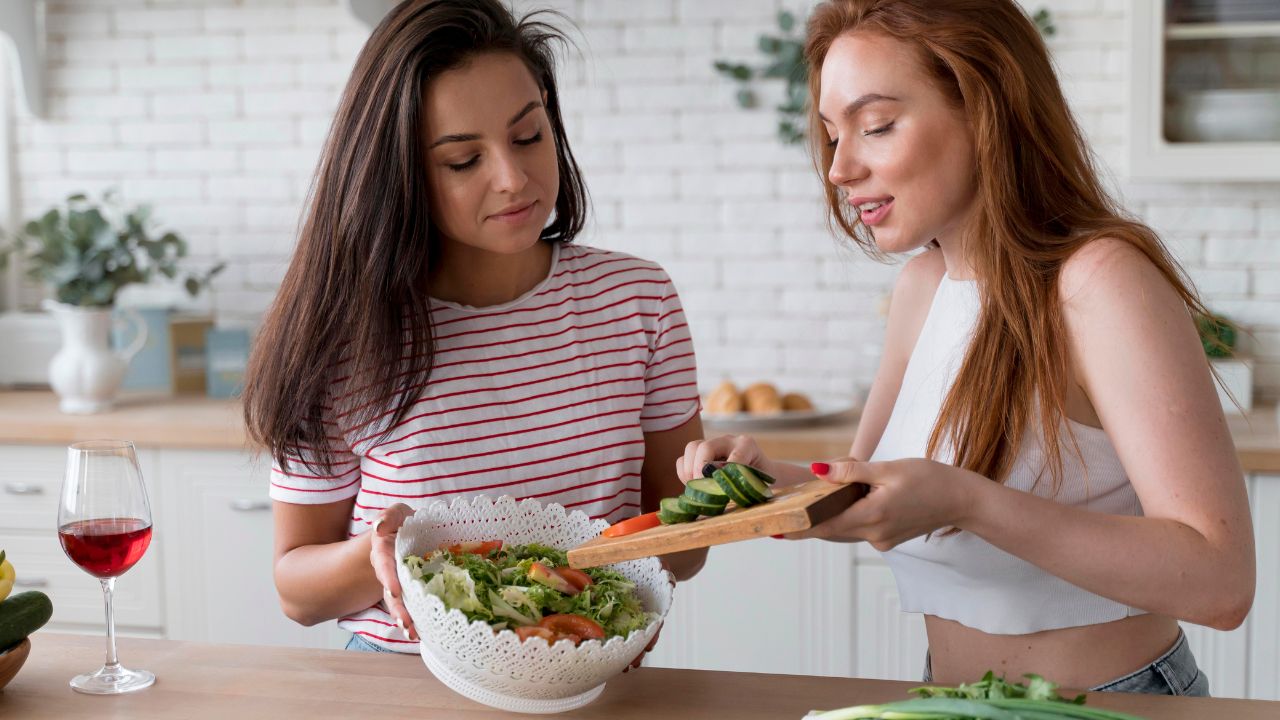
<point x="990" y="698"/>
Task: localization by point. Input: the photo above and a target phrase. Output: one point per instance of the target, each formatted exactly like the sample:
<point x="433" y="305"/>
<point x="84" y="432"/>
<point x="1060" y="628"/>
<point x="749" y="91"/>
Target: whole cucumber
<point x="21" y="615"/>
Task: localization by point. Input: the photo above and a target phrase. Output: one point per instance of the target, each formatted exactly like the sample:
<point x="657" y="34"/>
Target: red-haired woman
<point x="1051" y="477"/>
<point x="437" y="336"/>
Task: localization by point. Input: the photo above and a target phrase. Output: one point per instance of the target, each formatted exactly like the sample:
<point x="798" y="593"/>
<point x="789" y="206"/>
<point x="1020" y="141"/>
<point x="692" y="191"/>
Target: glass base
<point x="112" y="681"/>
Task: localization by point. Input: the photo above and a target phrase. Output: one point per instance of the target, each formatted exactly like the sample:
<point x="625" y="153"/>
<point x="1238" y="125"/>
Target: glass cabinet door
<point x="1206" y="89"/>
<point x="1222" y="71"/>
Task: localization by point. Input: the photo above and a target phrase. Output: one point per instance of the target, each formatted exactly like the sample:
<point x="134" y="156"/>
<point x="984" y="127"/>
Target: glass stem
<point x="108" y="585"/>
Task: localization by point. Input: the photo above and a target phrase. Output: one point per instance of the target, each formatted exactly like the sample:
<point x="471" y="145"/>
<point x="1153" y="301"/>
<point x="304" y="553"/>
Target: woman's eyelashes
<point x="866" y="133"/>
<point x="530" y="140"/>
<point x="879" y="130"/>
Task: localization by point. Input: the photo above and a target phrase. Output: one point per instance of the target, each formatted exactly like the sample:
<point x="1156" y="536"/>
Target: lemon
<point x="6" y="576"/>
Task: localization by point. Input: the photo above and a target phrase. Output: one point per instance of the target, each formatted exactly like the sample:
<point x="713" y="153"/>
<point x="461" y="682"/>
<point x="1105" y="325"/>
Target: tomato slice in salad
<point x="577" y="578"/>
<point x="570" y="624"/>
<point x="632" y="525"/>
<point x="481" y="548"/>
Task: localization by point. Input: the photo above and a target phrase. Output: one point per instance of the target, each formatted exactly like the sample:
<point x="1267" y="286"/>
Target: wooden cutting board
<point x="792" y="509"/>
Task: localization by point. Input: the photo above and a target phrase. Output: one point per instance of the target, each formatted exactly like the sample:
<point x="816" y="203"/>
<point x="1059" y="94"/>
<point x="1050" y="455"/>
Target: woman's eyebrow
<point x="858" y="104"/>
<point x="468" y="137"/>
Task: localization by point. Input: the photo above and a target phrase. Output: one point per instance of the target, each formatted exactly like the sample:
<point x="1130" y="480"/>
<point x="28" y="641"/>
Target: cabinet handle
<point x="31" y="582"/>
<point x="21" y="488"/>
<point x="246" y="505"/>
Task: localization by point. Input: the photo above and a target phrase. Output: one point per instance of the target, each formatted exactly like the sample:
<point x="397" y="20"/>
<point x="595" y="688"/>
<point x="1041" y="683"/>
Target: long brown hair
<point x="1038" y="201"/>
<point x="356" y="293"/>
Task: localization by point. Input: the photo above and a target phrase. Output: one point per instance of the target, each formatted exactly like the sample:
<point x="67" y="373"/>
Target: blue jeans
<point x="1173" y="673"/>
<point x="359" y="644"/>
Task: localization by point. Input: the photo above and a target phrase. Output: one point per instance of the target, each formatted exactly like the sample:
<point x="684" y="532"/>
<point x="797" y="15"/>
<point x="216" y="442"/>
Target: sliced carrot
<point x="632" y="525"/>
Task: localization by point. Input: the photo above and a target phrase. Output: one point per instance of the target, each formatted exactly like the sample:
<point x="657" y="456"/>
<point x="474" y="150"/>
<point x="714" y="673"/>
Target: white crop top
<point x="963" y="577"/>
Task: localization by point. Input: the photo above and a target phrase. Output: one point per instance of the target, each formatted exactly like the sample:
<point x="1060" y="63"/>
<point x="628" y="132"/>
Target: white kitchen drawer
<point x="77" y="596"/>
<point x="30" y="483"/>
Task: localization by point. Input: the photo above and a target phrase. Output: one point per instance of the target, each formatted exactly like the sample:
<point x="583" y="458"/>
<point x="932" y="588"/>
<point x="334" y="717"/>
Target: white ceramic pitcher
<point x="86" y="373"/>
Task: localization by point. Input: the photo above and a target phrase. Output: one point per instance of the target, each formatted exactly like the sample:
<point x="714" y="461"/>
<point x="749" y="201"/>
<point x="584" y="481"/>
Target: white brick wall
<point x="215" y="111"/>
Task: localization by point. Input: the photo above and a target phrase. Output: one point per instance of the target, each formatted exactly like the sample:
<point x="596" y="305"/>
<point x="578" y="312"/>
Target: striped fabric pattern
<point x="547" y="397"/>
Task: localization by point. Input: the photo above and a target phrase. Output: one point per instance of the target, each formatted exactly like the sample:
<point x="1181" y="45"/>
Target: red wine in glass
<point x="104" y="523"/>
<point x="105" y="547"/>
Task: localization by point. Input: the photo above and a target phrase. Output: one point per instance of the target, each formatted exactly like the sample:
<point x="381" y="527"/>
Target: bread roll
<point x="762" y="399"/>
<point x="796" y="401"/>
<point x="724" y="400"/>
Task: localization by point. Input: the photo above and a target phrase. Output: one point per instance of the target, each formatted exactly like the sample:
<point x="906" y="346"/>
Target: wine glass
<point x="104" y="523"/>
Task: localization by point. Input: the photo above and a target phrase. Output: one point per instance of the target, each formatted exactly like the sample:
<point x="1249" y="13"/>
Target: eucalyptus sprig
<point x="88" y="252"/>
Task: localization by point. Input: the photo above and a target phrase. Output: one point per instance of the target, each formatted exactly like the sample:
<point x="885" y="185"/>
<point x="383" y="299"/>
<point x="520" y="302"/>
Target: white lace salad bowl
<point x="496" y="668"/>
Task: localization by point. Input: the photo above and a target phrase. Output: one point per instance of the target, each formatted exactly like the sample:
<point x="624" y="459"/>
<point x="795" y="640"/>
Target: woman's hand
<point x="737" y="449"/>
<point x="907" y="499"/>
<point x="726" y="448"/>
<point x="382" y="555"/>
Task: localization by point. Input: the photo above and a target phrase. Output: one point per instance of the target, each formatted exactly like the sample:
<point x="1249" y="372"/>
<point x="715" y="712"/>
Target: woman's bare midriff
<point x="1079" y="657"/>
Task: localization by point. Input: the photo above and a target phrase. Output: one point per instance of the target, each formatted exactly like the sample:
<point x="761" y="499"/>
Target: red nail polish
<point x="778" y="537"/>
<point x="820" y="468"/>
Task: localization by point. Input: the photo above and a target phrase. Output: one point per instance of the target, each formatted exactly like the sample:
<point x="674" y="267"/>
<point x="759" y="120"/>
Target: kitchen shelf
<point x="1219" y="31"/>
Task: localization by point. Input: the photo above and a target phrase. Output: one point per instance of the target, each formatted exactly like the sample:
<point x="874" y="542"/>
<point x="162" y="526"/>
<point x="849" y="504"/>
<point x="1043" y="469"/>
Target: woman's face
<point x="903" y="153"/>
<point x="491" y="157"/>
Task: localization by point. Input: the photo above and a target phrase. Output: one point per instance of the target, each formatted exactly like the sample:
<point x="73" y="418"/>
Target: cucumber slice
<point x="746" y="474"/>
<point x="766" y="477"/>
<point x="706" y="491"/>
<point x="670" y="512"/>
<point x="745" y="488"/>
<point x="687" y="504"/>
<point x="733" y="490"/>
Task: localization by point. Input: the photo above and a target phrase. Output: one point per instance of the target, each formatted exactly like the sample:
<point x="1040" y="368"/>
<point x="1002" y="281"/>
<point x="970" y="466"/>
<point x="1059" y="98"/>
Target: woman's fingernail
<point x="405" y="633"/>
<point x="778" y="537"/>
<point x="709" y="469"/>
<point x="820" y="468"/>
<point x="400" y="624"/>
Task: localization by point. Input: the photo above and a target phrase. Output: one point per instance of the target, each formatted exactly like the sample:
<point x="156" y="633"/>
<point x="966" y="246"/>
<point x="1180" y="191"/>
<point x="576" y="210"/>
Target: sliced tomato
<point x="632" y="525"/>
<point x="532" y="631"/>
<point x="570" y="624"/>
<point x="482" y="548"/>
<point x="577" y="578"/>
<point x="544" y="575"/>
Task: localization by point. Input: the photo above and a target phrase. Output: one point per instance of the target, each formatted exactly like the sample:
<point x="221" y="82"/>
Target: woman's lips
<point x="515" y="216"/>
<point x="873" y="217"/>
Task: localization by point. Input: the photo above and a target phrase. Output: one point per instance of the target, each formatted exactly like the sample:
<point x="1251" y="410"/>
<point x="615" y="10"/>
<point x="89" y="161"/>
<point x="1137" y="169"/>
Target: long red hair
<point x="1038" y="200"/>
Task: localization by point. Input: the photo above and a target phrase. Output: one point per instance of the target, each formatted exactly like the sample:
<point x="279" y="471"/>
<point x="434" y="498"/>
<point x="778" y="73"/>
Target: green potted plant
<point x="1235" y="374"/>
<point x="85" y="253"/>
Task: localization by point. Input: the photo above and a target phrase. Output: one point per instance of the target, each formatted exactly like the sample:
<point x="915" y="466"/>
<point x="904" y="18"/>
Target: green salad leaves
<point x="496" y="588"/>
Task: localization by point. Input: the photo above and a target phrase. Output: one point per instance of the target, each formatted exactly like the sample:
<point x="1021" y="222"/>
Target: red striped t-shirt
<point x="547" y="397"/>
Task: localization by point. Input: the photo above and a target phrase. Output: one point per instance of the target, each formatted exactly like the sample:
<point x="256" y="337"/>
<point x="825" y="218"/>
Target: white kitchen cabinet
<point x="1205" y="91"/>
<point x="891" y="643"/>
<point x="218" y="561"/>
<point x="770" y="606"/>
<point x="1264" y="622"/>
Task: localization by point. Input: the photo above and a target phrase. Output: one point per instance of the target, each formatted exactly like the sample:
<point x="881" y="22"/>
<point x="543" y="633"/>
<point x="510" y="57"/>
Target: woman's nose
<point x="509" y="176"/>
<point x="845" y="167"/>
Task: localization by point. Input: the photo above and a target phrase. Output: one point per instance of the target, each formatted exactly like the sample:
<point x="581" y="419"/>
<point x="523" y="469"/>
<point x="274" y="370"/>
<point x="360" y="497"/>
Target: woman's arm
<point x="1141" y="363"/>
<point x="321" y="574"/>
<point x="658" y="480"/>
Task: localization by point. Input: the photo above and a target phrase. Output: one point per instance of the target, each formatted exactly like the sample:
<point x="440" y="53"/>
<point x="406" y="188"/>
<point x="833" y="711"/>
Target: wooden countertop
<point x="1256" y="436"/>
<point x="32" y="417"/>
<point x="196" y="681"/>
